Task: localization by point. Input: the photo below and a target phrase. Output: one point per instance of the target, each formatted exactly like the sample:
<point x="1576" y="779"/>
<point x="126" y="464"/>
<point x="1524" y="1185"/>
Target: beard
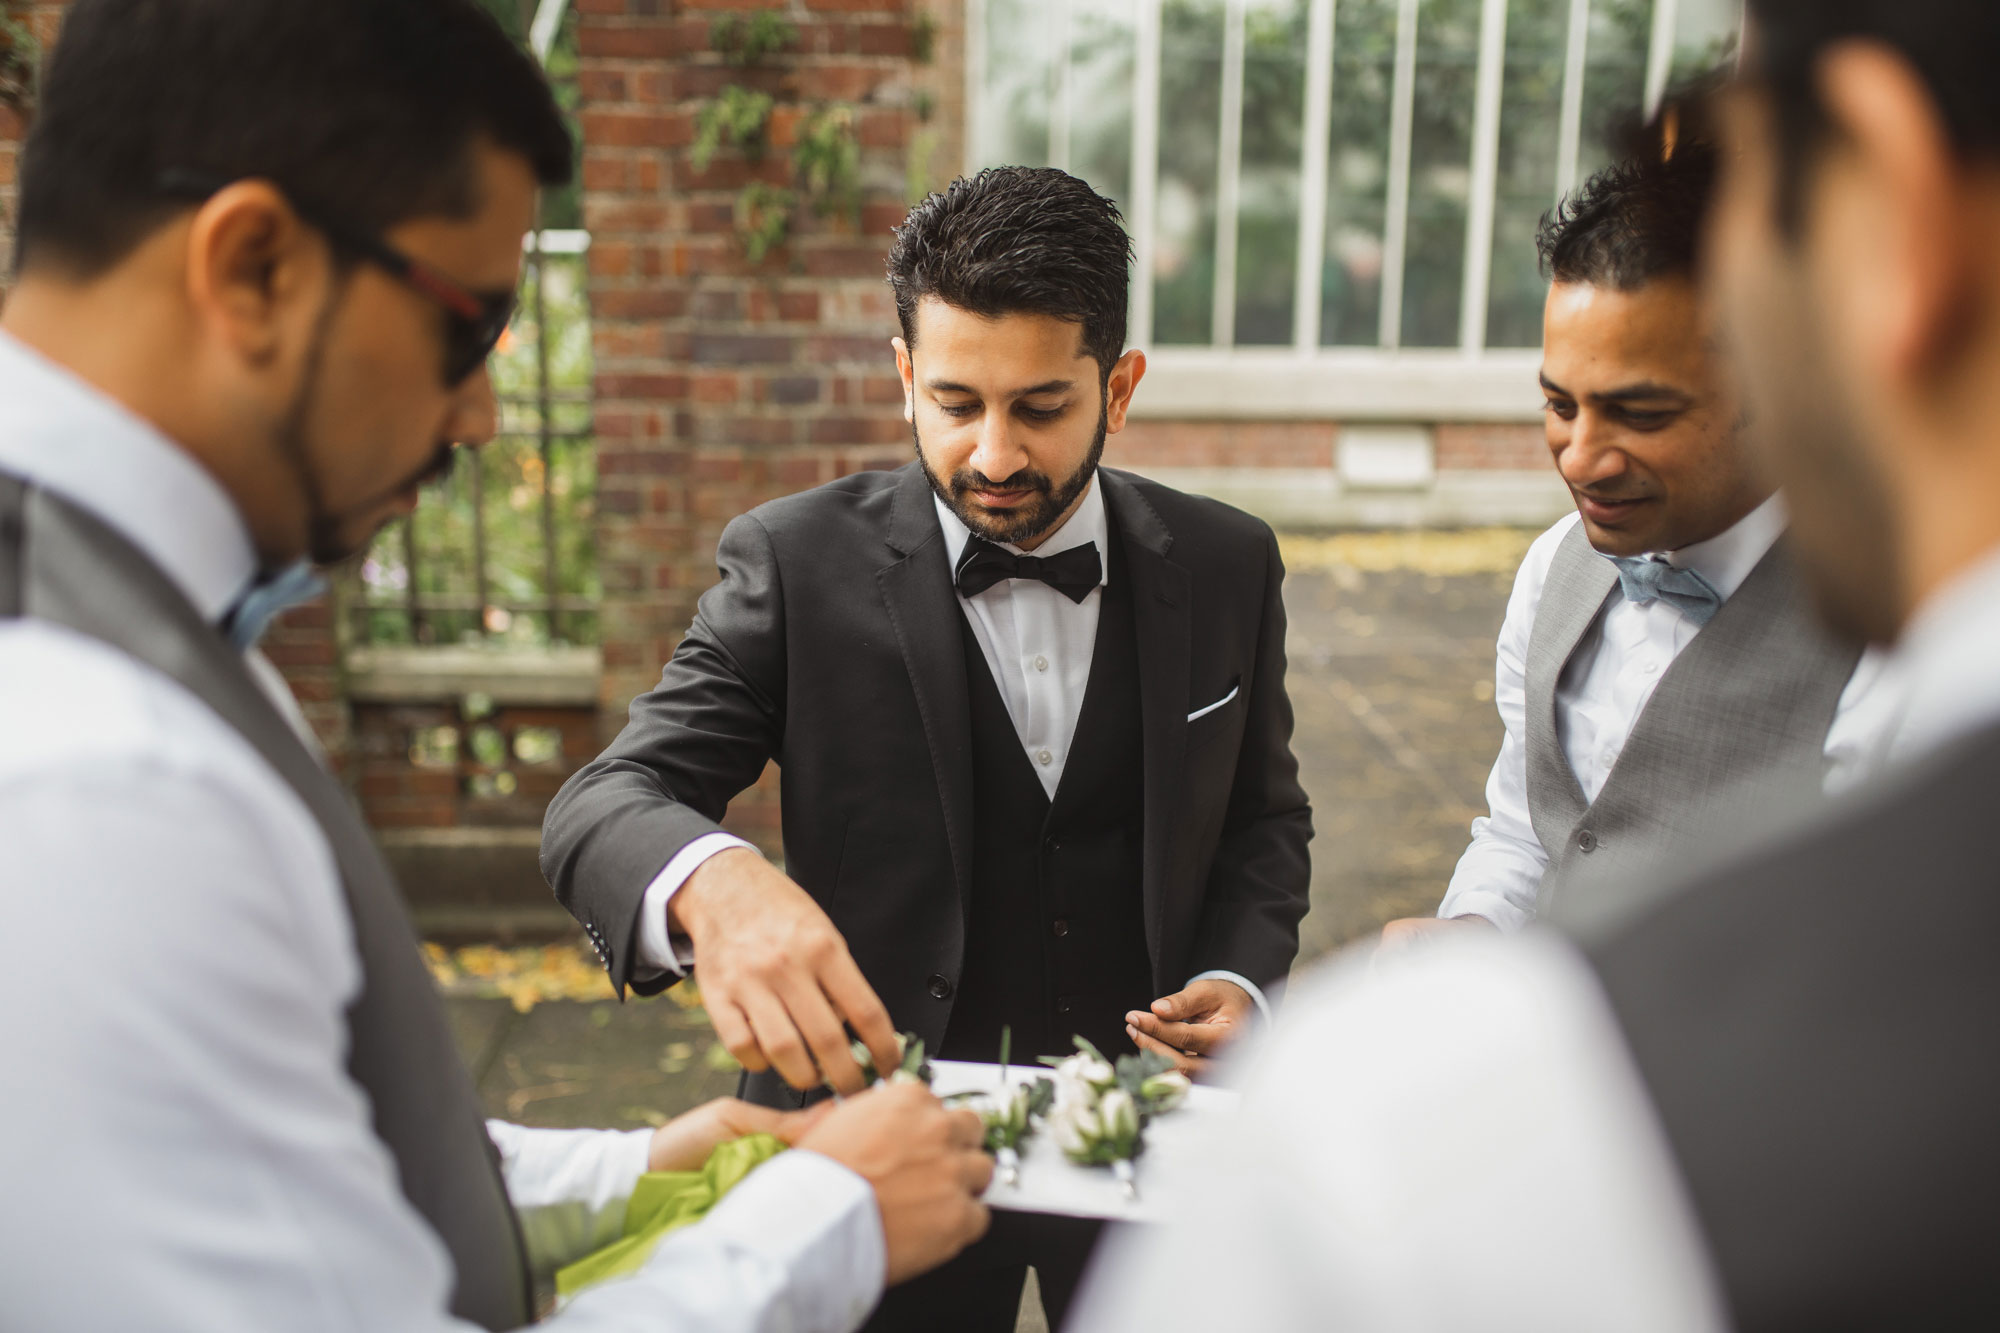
<point x="1843" y="530"/>
<point x="328" y="539"/>
<point x="1033" y="518"/>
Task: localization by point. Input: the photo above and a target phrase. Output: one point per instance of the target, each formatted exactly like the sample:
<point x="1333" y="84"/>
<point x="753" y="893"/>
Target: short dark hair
<point x="1634" y="222"/>
<point x="366" y="110"/>
<point x="1018" y="240"/>
<point x="1952" y="45"/>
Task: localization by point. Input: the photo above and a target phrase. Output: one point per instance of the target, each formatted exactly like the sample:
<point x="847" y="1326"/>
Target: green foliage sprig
<point x="763" y="218"/>
<point x="826" y="157"/>
<point x="738" y="118"/>
<point x="751" y="40"/>
<point x="20" y="53"/>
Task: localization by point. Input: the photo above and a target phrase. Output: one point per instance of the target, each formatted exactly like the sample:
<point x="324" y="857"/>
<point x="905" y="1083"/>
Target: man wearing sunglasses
<point x="265" y="247"/>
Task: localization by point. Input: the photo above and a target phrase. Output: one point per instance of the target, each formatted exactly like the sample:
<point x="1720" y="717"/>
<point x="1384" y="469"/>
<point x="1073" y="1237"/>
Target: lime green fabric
<point x="666" y="1201"/>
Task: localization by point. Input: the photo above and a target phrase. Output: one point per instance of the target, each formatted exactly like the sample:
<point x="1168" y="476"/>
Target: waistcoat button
<point x="940" y="988"/>
<point x="1061" y="928"/>
<point x="1586" y="841"/>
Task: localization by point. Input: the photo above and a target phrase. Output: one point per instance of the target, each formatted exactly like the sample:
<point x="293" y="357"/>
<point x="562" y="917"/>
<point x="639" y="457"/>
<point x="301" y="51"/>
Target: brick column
<point x="302" y="643"/>
<point x="721" y="384"/>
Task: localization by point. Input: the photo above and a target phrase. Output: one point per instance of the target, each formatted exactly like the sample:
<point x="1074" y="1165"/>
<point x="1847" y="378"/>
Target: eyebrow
<point x="1645" y="391"/>
<point x="1046" y="387"/>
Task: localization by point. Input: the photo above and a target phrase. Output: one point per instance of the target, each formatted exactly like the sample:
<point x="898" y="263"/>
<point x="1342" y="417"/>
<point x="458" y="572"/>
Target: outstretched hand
<point x="776" y="975"/>
<point x="1191" y="1026"/>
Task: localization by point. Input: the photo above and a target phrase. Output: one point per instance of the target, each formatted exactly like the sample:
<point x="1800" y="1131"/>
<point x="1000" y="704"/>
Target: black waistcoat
<point x="1055" y="943"/>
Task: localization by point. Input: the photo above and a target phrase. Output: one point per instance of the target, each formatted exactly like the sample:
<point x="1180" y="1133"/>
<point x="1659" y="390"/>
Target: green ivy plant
<point x="737" y="118"/>
<point x="826" y="158"/>
<point x="763" y="218"/>
<point x="751" y="41"/>
<point x="20" y="53"/>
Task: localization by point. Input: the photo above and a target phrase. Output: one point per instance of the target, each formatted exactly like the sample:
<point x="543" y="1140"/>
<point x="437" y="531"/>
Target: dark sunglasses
<point x="474" y="324"/>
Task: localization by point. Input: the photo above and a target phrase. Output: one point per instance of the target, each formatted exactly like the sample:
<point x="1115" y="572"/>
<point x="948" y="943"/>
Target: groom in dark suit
<point x="1030" y="715"/>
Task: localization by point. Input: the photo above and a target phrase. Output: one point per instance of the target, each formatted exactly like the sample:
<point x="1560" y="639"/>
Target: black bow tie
<point x="1073" y="573"/>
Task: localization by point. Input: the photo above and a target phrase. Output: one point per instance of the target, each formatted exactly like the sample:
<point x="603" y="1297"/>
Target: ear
<point x="909" y="374"/>
<point x="1119" y="387"/>
<point x="1897" y="233"/>
<point x="255" y="272"/>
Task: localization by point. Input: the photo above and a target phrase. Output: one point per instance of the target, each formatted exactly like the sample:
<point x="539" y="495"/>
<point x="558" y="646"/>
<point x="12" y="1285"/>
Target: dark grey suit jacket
<point x="832" y="644"/>
<point x="1819" y="1027"/>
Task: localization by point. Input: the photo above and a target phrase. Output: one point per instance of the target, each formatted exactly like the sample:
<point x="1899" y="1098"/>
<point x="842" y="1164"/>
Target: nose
<point x="997" y="455"/>
<point x="1589" y="454"/>
<point x="474" y="416"/>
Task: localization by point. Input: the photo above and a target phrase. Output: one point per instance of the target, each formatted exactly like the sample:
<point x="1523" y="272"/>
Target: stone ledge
<point x="531" y="677"/>
<point x="1314" y="500"/>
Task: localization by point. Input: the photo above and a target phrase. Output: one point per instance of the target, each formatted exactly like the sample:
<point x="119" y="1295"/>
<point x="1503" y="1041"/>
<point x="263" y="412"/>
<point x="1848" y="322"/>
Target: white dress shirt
<point x="1599" y="697"/>
<point x="1038" y="645"/>
<point x="1455" y="1137"/>
<point x="184" y="1147"/>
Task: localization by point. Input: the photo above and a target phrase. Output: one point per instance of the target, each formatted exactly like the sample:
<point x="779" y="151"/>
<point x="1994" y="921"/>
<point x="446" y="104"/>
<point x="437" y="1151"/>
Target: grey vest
<point x="1739" y="719"/>
<point x="61" y="565"/>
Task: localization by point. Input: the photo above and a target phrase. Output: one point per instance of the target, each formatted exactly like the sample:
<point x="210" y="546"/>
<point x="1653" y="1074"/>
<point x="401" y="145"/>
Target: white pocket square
<point x="1234" y="690"/>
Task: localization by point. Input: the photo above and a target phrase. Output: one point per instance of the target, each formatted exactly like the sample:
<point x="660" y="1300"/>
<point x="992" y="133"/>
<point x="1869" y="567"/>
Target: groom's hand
<point x="776" y="976"/>
<point x="1191" y="1026"/>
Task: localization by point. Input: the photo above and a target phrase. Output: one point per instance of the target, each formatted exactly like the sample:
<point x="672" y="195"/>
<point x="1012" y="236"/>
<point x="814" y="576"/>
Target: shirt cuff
<point x="1250" y="988"/>
<point x="659" y="950"/>
<point x="815" y="1221"/>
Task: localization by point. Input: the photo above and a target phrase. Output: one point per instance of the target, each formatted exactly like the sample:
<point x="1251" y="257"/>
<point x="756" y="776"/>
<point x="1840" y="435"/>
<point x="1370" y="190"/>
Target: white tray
<point x="1051" y="1183"/>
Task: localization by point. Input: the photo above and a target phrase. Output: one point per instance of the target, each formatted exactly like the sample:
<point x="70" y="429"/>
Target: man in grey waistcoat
<point x="264" y="250"/>
<point x="1658" y="660"/>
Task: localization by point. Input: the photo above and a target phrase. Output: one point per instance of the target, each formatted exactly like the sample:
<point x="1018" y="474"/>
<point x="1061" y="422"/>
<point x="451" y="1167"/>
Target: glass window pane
<point x="1440" y="171"/>
<point x="1102" y="47"/>
<point x="1014" y="92"/>
<point x="1614" y="78"/>
<point x="1267" y="236"/>
<point x="1705" y="37"/>
<point x="1190" y="132"/>
<point x="1357" y="176"/>
<point x="1530" y="133"/>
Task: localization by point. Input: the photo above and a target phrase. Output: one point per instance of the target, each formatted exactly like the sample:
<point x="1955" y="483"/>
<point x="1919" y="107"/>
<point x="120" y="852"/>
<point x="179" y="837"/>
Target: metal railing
<point x="501" y="551"/>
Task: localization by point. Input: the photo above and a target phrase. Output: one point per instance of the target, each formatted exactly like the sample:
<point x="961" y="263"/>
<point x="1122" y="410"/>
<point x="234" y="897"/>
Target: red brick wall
<point x="721" y="384"/>
<point x="1473" y="447"/>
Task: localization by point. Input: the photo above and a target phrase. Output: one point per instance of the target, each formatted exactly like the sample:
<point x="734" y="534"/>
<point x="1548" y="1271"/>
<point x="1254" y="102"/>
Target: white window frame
<point x="1385" y="383"/>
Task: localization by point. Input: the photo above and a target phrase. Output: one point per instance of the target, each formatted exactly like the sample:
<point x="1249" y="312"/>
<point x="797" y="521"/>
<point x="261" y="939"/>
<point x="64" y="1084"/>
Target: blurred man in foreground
<point x="264" y="250"/>
<point x="1769" y="1102"/>
<point x="1660" y="656"/>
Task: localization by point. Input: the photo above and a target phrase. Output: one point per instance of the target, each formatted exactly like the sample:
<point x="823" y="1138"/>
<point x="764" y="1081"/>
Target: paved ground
<point x="1391" y="676"/>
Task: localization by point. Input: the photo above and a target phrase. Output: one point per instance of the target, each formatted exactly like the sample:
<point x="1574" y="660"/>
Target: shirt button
<point x="1061" y="928"/>
<point x="1652" y="668"/>
<point x="1041" y="664"/>
<point x="939" y="987"/>
<point x="1044" y="758"/>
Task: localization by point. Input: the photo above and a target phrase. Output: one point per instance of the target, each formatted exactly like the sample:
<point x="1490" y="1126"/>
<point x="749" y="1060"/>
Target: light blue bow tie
<point x="267" y="599"/>
<point x="1645" y="579"/>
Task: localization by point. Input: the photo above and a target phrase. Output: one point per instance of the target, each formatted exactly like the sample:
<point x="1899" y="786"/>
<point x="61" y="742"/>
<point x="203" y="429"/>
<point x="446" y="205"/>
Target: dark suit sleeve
<point x="701" y="736"/>
<point x="1260" y="877"/>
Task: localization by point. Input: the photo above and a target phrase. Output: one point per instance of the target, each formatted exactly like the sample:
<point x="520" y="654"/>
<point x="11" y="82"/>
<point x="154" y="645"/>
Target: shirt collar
<point x="73" y="440"/>
<point x="1087" y="524"/>
<point x="1727" y="560"/>
<point x="1944" y="662"/>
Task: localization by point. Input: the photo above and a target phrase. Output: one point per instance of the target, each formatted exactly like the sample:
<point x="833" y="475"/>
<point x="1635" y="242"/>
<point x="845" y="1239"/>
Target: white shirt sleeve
<point x="185" y="1149"/>
<point x="659" y="949"/>
<point x="1457" y="1142"/>
<point x="1500" y="874"/>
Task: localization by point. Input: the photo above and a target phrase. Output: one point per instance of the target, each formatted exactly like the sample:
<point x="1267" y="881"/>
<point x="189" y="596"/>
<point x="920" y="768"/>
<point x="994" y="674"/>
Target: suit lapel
<point x="923" y="607"/>
<point x="1162" y="621"/>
